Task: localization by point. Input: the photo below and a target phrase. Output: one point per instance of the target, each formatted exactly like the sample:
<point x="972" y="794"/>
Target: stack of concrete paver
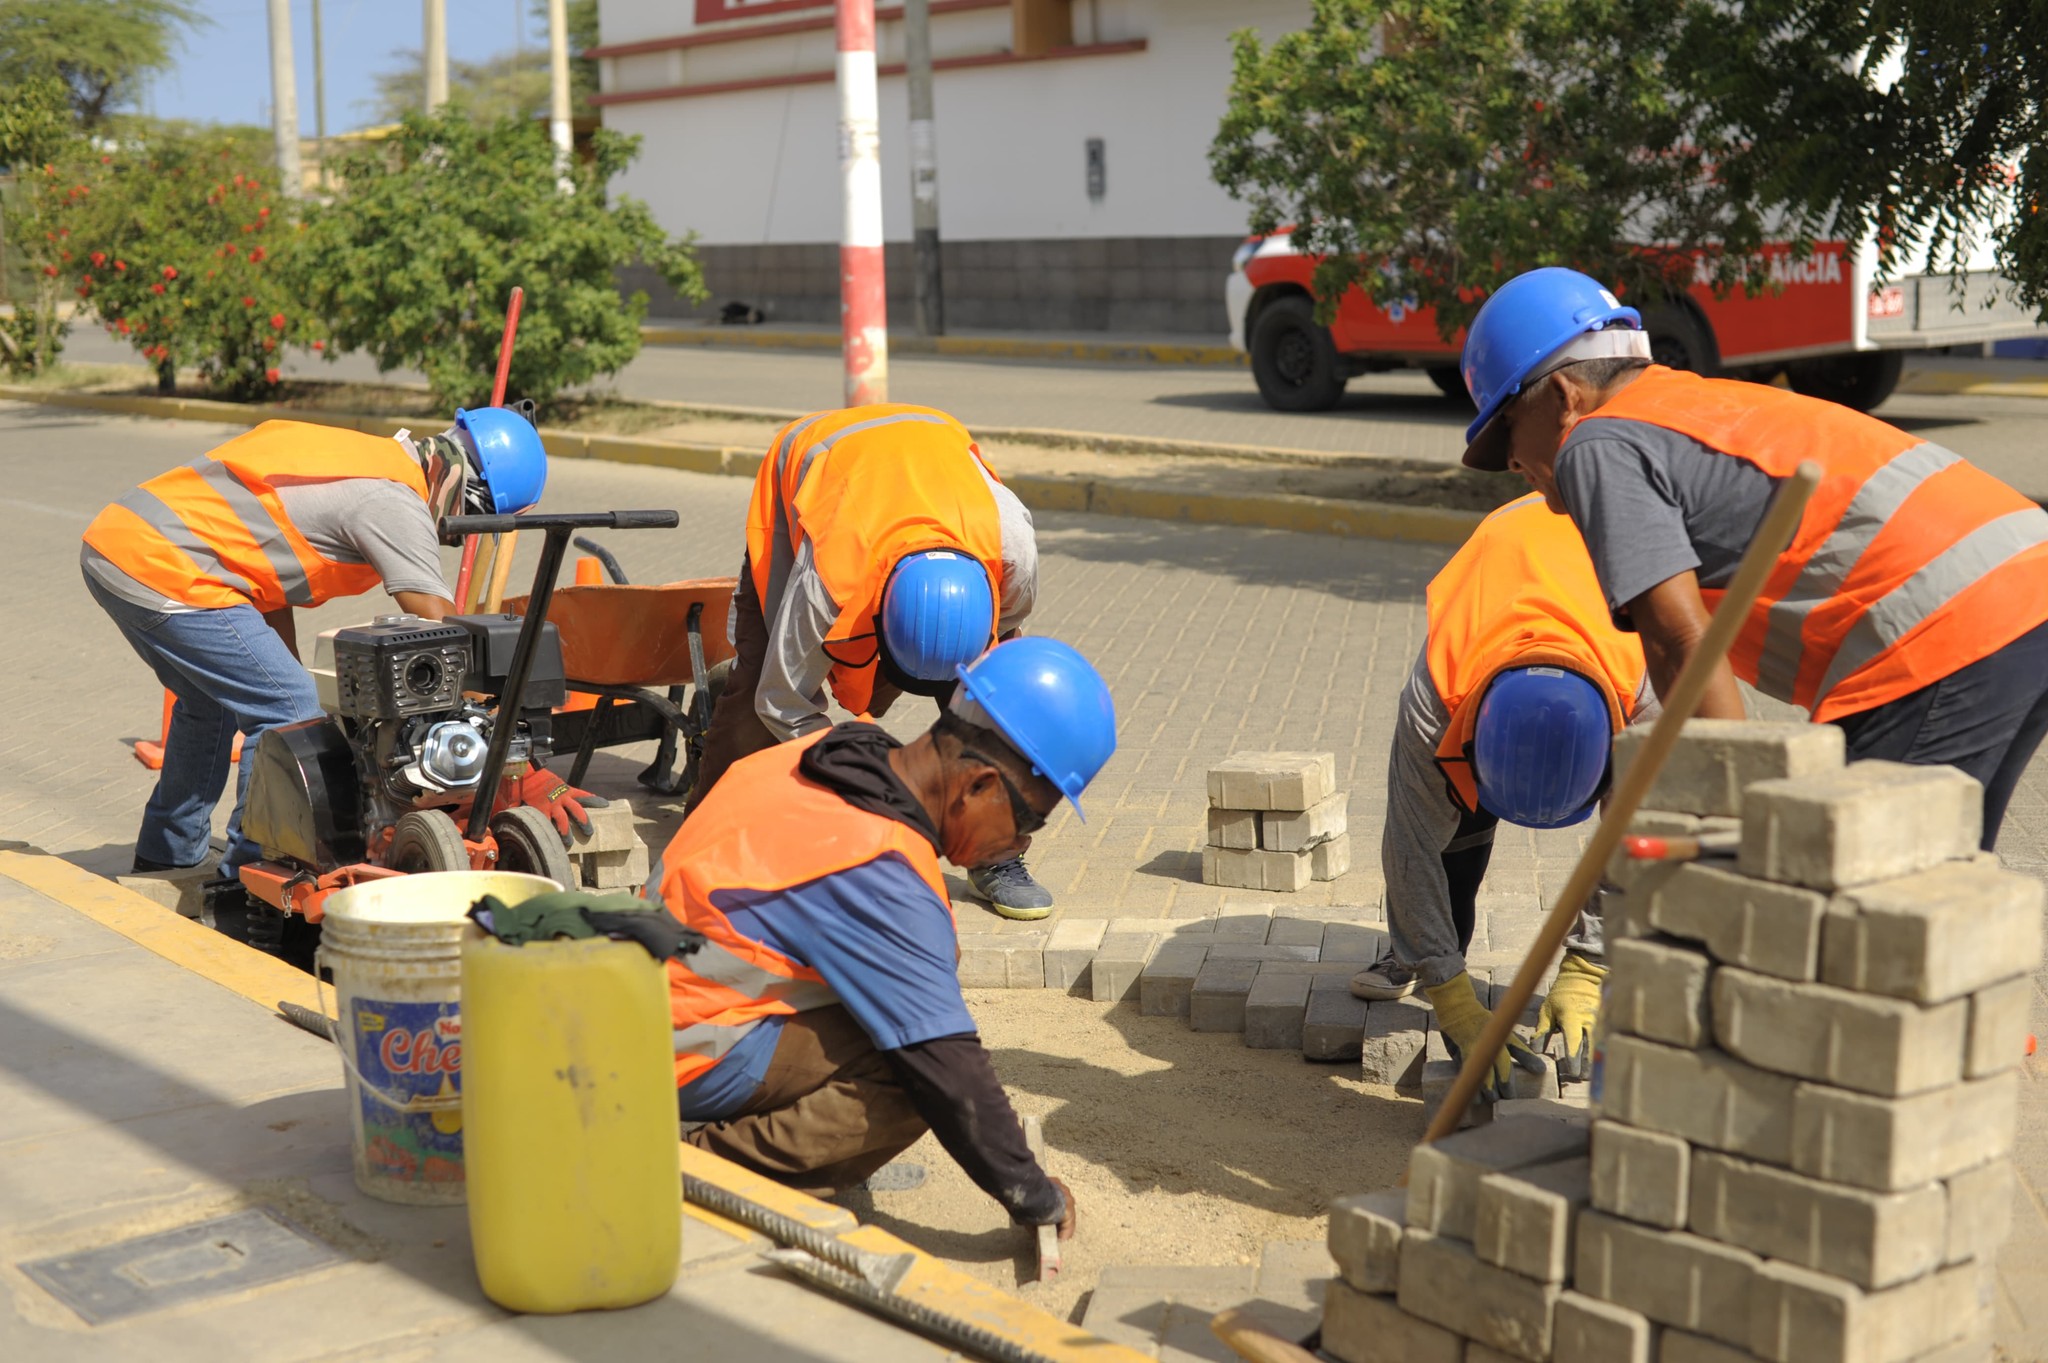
<point x="612" y="855"/>
<point x="1276" y="821"/>
<point x="1802" y="1152"/>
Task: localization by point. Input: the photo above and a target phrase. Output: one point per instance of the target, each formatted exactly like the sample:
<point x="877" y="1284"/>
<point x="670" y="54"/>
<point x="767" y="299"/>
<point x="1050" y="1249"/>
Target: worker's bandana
<point x="452" y="485"/>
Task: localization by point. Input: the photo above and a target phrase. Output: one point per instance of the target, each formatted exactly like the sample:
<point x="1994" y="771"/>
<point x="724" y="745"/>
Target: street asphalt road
<point x="1398" y="415"/>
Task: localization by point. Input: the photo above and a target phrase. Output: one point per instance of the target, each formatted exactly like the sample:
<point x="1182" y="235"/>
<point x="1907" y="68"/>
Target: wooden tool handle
<point x="494" y="599"/>
<point x="1757" y="561"/>
<point x="1249" y="1338"/>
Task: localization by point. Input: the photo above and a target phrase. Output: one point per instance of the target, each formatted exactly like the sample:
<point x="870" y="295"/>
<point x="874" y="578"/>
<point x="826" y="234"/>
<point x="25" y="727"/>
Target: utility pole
<point x="319" y="96"/>
<point x="924" y="170"/>
<point x="434" y="53"/>
<point x="863" y="290"/>
<point x="558" y="90"/>
<point x="284" y="100"/>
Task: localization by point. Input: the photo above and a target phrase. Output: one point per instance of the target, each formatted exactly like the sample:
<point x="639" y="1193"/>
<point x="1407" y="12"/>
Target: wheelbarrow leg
<point x="661" y="775"/>
<point x="589" y="744"/>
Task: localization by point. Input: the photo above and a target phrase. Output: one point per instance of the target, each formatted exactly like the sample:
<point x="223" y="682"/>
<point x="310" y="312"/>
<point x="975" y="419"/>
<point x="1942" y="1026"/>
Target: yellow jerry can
<point x="569" y="1123"/>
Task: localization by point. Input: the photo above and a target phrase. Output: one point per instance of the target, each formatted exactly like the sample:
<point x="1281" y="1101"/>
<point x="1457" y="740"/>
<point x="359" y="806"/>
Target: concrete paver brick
<point x="1010" y="960"/>
<point x="1641" y="1175"/>
<point x="1272" y="780"/>
<point x="1676" y="1346"/>
<point x="1333" y="1027"/>
<point x="1168" y="983"/>
<point x="178" y="890"/>
<point x="1757" y="924"/>
<point x="1445" y="1283"/>
<point x="1659" y="990"/>
<point x="1588" y="1330"/>
<point x="1891" y="1144"/>
<point x="1674" y="1278"/>
<point x="1119" y="963"/>
<point x="1540" y="1083"/>
<point x="1998" y="1027"/>
<point x="1260" y="951"/>
<point x="1353" y="942"/>
<point x="1980" y="1203"/>
<point x="1443" y="1178"/>
<point x="1573" y="1111"/>
<point x="1296" y="932"/>
<point x="1217" y="1001"/>
<point x="1234" y="828"/>
<point x="1330" y="860"/>
<point x="1070" y="950"/>
<point x="1244" y="924"/>
<point x="1361" y="1328"/>
<point x="1365" y="1238"/>
<point x="1871" y="1239"/>
<point x="1704" y="1096"/>
<point x="1934" y="936"/>
<point x="625" y="869"/>
<point x="613" y="828"/>
<point x="1868" y="821"/>
<point x="1284" y="872"/>
<point x="1800" y="1316"/>
<point x="1837" y="1036"/>
<point x="1434" y="1083"/>
<point x="1525" y="1217"/>
<point x="1274" y="1011"/>
<point x="1396" y="1033"/>
<point x="1294" y="1274"/>
<point x="1291" y="831"/>
<point x="1717" y="759"/>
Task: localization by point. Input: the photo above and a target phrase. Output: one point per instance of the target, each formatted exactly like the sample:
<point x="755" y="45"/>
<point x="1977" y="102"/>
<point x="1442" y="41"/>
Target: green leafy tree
<point x="101" y="49"/>
<point x="36" y="129"/>
<point x="430" y="230"/>
<point x="1429" y="150"/>
<point x="180" y="246"/>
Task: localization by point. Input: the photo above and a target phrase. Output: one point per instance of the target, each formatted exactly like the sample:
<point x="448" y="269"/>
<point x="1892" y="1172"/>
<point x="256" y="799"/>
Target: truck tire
<point x="1678" y="340"/>
<point x="1449" y="381"/>
<point x="1860" y="380"/>
<point x="1294" y="361"/>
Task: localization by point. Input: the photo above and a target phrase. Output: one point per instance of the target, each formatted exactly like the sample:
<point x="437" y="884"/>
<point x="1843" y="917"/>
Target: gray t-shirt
<point x="348" y="520"/>
<point x="1653" y="503"/>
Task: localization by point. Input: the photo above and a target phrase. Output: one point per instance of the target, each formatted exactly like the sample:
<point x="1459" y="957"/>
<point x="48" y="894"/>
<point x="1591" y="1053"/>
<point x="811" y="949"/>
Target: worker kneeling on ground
<point x="1509" y="714"/>
<point x="822" y="1028"/>
<point x="1911" y="606"/>
<point x="200" y="569"/>
<point x="882" y="553"/>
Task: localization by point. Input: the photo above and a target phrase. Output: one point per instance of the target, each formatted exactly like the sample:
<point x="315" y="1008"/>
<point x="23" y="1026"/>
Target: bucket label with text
<point x="413" y="1053"/>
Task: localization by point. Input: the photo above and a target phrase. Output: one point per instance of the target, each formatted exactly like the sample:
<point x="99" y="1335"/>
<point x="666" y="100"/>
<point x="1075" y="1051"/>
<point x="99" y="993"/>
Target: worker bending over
<point x="882" y="553"/>
<point x="1509" y="714"/>
<point x="200" y="569"/>
<point x="822" y="1029"/>
<point x="1910" y="608"/>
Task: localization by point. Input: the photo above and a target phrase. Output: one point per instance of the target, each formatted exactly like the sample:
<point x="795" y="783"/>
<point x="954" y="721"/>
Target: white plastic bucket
<point x="395" y="947"/>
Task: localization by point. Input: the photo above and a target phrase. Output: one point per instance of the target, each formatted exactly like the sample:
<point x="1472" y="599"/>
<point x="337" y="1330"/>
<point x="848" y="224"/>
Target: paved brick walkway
<point x="1213" y="639"/>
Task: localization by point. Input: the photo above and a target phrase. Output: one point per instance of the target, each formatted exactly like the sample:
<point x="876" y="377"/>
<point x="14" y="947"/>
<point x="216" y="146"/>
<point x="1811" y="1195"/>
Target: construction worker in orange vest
<point x="882" y="553"/>
<point x="1911" y="607"/>
<point x="201" y="568"/>
<point x="1509" y="714"/>
<point x="821" y="1029"/>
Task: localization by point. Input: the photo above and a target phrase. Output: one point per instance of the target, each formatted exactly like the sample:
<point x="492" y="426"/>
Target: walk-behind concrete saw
<point x="403" y="775"/>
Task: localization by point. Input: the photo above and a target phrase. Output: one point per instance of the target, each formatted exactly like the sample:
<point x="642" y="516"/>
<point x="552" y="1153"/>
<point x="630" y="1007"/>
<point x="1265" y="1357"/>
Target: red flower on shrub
<point x="228" y="249"/>
<point x="270" y="375"/>
<point x="50" y="270"/>
<point x="99" y="257"/>
<point x="170" y="271"/>
<point x="156" y="288"/>
<point x="277" y="321"/>
<point x="262" y="212"/>
<point x="248" y="227"/>
<point x="121" y="265"/>
<point x="247" y="301"/>
<point x="66" y="255"/>
<point x="122" y="326"/>
<point x="256" y="254"/>
<point x="319" y="345"/>
<point x="269" y="344"/>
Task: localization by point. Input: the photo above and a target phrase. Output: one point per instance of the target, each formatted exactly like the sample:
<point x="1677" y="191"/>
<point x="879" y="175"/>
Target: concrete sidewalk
<point x="116" y="1125"/>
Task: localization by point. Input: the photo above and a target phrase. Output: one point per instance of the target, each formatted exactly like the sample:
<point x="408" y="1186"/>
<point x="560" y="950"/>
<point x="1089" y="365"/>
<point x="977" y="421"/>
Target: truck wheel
<point x="427" y="840"/>
<point x="1678" y="341"/>
<point x="1860" y="380"/>
<point x="529" y="844"/>
<point x="1450" y="382"/>
<point x="1294" y="360"/>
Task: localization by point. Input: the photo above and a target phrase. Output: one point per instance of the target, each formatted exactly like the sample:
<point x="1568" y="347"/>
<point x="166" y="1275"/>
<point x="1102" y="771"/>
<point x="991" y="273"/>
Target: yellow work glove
<point x="1569" y="1012"/>
<point x="1461" y="1017"/>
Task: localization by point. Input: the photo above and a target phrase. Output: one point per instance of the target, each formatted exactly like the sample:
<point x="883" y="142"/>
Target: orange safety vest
<point x="763" y="828"/>
<point x="865" y="486"/>
<point x="1520" y="593"/>
<point x="1909" y="562"/>
<point x="214" y="533"/>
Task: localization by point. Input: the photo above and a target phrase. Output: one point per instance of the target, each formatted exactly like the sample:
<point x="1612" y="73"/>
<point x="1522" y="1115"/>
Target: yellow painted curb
<point x="1958" y="383"/>
<point x="1103" y="496"/>
<point x="981" y="347"/>
<point x="179" y="940"/>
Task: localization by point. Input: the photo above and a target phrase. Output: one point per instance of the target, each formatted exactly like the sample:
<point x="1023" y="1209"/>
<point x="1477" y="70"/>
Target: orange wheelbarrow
<point x="652" y="657"/>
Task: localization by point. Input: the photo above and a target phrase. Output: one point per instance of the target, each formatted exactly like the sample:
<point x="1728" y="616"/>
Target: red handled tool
<point x="469" y="546"/>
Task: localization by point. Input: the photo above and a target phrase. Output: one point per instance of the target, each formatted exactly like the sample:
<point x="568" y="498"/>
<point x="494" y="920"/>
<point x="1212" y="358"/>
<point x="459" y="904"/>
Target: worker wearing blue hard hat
<point x="201" y="568"/>
<point x="1508" y="717"/>
<point x="822" y="1029"/>
<point x="882" y="554"/>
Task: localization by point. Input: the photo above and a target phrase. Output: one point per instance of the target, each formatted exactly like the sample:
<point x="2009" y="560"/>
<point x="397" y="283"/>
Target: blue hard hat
<point x="1525" y="322"/>
<point x="1051" y="705"/>
<point x="508" y="458"/>
<point x="1539" y="754"/>
<point x="937" y="613"/>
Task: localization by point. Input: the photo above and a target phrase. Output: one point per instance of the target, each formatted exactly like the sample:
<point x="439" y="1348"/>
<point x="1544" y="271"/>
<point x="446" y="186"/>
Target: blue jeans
<point x="229" y="671"/>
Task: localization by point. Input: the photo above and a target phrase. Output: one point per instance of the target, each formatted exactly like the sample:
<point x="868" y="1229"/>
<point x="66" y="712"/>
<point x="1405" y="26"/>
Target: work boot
<point x="1011" y="891"/>
<point x="1384" y="979"/>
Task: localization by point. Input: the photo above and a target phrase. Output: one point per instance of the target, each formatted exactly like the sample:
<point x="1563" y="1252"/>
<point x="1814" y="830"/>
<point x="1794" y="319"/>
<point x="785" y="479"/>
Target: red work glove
<point x="554" y="797"/>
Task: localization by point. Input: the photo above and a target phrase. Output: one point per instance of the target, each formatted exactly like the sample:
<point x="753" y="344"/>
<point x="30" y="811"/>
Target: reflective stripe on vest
<point x="1521" y="592"/>
<point x="1909" y="563"/>
<point x="263" y="528"/>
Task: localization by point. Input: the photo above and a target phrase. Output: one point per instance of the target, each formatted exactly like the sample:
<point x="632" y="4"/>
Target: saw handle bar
<point x="455" y="528"/>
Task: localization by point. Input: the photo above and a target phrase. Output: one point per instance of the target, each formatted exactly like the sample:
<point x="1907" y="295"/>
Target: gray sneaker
<point x="1011" y="891"/>
<point x="1384" y="979"/>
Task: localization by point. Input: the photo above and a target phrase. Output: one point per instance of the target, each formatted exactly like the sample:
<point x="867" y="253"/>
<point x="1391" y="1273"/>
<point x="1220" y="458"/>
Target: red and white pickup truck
<point x="1829" y="330"/>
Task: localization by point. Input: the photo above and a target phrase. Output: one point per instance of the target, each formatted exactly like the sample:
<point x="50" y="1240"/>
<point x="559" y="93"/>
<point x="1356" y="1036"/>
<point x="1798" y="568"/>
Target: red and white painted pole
<point x="863" y="292"/>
